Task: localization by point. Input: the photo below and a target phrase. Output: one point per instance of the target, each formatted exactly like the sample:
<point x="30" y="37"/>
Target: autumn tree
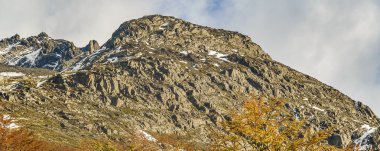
<point x="267" y="125"/>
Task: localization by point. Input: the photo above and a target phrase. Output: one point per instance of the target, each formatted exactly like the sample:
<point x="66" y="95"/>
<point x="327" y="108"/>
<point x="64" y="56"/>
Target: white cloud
<point x="335" y="41"/>
<point x="338" y="43"/>
<point x="78" y="21"/>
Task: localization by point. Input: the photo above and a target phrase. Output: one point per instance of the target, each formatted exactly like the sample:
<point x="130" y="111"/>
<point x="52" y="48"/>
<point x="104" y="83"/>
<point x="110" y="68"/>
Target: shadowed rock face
<point x="166" y="75"/>
<point x="37" y="52"/>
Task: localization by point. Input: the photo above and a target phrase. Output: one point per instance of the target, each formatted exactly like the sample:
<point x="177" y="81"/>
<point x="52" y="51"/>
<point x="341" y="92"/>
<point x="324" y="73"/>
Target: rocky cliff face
<point x="165" y="75"/>
<point x="37" y="51"/>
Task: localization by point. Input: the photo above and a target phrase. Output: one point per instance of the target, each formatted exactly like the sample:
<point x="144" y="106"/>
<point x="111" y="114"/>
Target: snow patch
<point x="40" y="83"/>
<point x="362" y="142"/>
<point x="118" y="49"/>
<point x="10" y="125"/>
<point x="305" y="99"/>
<point x="11" y="74"/>
<point x="113" y="59"/>
<point x="183" y="62"/>
<point x="218" y="55"/>
<point x="296" y="114"/>
<point x="33" y="56"/>
<point x="6" y="117"/>
<point x="78" y="65"/>
<point x="8" y="49"/>
<point x="147" y="136"/>
<point x="88" y="60"/>
<point x="184" y="53"/>
<point x="28" y="58"/>
<point x="319" y="109"/>
<point x="53" y="66"/>
<point x="365" y="126"/>
<point x="42" y="77"/>
<point x="163" y="26"/>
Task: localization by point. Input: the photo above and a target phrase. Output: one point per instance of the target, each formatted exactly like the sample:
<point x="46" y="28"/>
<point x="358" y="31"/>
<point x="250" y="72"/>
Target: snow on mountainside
<point x="10" y="125"/>
<point x="11" y="74"/>
<point x="37" y="51"/>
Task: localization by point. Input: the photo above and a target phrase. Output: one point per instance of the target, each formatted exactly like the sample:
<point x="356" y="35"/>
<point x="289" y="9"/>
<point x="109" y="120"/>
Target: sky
<point x="335" y="41"/>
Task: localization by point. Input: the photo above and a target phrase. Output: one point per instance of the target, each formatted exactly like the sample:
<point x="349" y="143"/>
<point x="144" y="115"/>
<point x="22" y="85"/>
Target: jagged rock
<point x="58" y="81"/>
<point x="43" y="35"/>
<point x="92" y="46"/>
<point x="38" y="51"/>
<point x="336" y="140"/>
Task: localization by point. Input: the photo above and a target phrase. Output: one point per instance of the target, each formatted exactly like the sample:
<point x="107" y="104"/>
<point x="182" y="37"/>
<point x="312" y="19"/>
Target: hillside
<point x="164" y="75"/>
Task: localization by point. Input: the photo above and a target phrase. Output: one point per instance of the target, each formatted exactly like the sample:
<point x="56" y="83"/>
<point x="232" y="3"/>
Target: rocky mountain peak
<point x="43" y="35"/>
<point x="37" y="51"/>
<point x="154" y="31"/>
<point x="14" y="38"/>
<point x="9" y="41"/>
<point x="166" y="31"/>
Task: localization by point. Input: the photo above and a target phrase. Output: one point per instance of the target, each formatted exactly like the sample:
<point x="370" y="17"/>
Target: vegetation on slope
<point x="267" y="125"/>
<point x="261" y="125"/>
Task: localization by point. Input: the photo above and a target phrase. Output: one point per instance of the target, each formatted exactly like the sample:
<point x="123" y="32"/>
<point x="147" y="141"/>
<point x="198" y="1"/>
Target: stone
<point x="336" y="140"/>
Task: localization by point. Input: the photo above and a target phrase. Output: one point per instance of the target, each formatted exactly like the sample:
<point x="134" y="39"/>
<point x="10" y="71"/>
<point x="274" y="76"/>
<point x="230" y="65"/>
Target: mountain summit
<point x="165" y="75"/>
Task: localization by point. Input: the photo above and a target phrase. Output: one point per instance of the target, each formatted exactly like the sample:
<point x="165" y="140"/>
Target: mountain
<point x="165" y="75"/>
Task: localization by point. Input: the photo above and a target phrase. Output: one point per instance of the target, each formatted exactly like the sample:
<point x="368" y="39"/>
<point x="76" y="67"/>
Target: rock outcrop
<point x="91" y="47"/>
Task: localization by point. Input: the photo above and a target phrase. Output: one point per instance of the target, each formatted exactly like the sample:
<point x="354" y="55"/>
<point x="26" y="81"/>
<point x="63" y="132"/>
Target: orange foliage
<point x="21" y="139"/>
<point x="261" y="125"/>
<point x="267" y="125"/>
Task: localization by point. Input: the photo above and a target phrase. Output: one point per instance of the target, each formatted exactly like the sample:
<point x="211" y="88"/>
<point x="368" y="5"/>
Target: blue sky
<point x="335" y="41"/>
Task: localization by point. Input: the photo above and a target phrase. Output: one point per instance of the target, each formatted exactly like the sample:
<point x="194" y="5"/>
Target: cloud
<point x="79" y="21"/>
<point x="338" y="43"/>
<point x="334" y="41"/>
